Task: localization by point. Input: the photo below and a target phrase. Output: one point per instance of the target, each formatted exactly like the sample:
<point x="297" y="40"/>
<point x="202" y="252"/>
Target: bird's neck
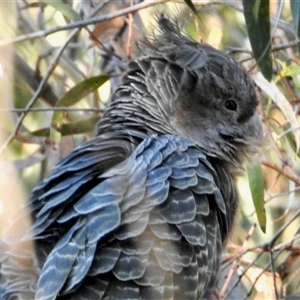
<point x="129" y="111"/>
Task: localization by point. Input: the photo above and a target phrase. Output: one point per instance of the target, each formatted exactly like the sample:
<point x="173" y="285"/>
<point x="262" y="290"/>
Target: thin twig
<point x="39" y="89"/>
<point x="286" y="170"/>
<point x="80" y="24"/>
<point x="130" y="33"/>
<point x="44" y="109"/>
<point x="283" y="228"/>
<point x="237" y="5"/>
<point x="286" y="193"/>
<point x="59" y="53"/>
<point x="236" y="262"/>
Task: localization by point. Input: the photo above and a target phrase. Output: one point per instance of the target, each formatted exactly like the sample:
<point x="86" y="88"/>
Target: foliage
<point x="55" y="55"/>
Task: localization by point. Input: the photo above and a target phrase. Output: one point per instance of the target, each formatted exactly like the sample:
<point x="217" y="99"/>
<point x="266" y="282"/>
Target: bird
<point x="143" y="209"/>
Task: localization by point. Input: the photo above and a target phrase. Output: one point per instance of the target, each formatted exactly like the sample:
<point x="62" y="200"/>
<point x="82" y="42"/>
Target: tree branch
<point x="80" y="24"/>
<point x="286" y="170"/>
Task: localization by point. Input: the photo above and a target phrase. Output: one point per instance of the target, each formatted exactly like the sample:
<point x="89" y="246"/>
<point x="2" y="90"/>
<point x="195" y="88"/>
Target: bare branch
<point x="33" y="79"/>
<point x="44" y="109"/>
<point x="80" y="24"/>
<point x="286" y="170"/>
<point x="39" y="89"/>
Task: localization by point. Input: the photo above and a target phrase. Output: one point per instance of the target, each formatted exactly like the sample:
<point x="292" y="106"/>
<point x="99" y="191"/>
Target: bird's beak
<point x="254" y="127"/>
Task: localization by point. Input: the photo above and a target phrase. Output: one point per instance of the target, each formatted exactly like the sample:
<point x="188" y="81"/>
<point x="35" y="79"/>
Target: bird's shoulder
<point x="107" y="162"/>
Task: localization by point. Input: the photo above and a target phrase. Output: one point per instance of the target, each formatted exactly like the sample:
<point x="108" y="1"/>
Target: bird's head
<point x="189" y="89"/>
<point x="204" y="95"/>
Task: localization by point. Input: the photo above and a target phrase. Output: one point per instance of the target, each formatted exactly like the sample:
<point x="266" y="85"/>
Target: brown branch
<point x="33" y="79"/>
<point x="130" y="33"/>
<point x="44" y="109"/>
<point x="286" y="170"/>
<point x="80" y="24"/>
<point x="35" y="96"/>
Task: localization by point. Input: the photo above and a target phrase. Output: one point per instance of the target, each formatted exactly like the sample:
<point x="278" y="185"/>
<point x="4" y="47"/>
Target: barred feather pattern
<point x="142" y="210"/>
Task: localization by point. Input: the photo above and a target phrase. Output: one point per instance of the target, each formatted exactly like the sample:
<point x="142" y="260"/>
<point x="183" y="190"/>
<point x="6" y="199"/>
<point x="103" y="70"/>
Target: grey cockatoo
<point x="141" y="211"/>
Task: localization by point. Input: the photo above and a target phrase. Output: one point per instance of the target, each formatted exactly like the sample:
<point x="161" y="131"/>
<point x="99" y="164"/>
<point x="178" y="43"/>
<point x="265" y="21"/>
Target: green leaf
<point x="55" y="135"/>
<point x="78" y="127"/>
<point x="295" y="9"/>
<point x="81" y="90"/>
<point x="66" y="10"/>
<point x="43" y="132"/>
<point x="257" y="19"/>
<point x="282" y="102"/>
<point x="256" y="183"/>
<point x="75" y="94"/>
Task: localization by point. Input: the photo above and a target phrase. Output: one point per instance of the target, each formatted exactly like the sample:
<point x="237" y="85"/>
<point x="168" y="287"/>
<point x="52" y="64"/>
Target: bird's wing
<point x="150" y="221"/>
<point x="72" y="178"/>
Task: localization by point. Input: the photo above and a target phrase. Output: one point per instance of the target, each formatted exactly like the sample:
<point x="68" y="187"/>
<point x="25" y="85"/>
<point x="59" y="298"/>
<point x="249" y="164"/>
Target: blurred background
<point x="59" y="62"/>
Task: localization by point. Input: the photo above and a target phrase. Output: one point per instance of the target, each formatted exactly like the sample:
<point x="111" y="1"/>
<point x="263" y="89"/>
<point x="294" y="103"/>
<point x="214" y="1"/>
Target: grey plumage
<point x="141" y="210"/>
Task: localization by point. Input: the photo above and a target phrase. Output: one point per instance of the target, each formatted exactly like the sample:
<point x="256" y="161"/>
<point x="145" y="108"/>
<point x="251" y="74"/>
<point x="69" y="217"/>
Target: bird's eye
<point x="231" y="105"/>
